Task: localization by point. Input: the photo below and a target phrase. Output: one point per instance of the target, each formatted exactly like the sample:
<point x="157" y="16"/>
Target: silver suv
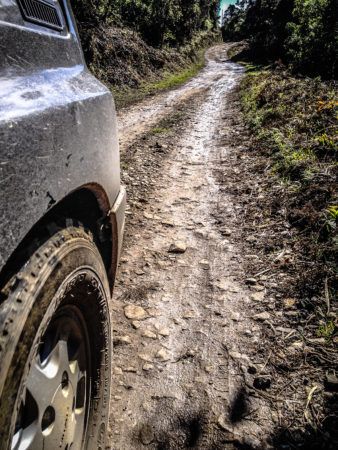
<point x="62" y="219"/>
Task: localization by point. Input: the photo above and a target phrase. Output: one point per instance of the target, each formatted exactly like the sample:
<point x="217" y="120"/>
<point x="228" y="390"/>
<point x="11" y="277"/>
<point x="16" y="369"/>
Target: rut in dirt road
<point x="183" y="331"/>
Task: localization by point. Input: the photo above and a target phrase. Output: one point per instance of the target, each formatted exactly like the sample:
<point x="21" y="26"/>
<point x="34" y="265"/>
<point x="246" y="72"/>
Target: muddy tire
<point x="55" y="348"/>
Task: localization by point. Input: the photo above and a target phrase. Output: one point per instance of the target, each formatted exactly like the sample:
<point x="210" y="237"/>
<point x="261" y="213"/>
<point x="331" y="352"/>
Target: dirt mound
<point x="120" y="58"/>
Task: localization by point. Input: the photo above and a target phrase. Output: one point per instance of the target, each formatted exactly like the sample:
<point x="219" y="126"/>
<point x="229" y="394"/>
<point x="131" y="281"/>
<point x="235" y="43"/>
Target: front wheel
<point x="55" y="348"/>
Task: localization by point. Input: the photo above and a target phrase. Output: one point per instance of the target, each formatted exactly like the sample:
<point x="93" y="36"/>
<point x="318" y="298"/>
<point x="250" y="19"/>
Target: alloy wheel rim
<point x="53" y="411"/>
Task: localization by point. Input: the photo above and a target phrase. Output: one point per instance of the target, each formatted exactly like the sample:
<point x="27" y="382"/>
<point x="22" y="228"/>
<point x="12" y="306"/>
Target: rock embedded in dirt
<point x="262" y="316"/>
<point x="135" y="312"/>
<point x="145" y="357"/>
<point x="222" y="285"/>
<point x="289" y="303"/>
<point x="130" y="369"/>
<point x="147" y="367"/>
<point x="209" y="369"/>
<point x="204" y="263"/>
<point x="122" y="340"/>
<point x="226" y="232"/>
<point x="149" y="334"/>
<point x="177" y="321"/>
<point x="258" y="296"/>
<point x="190" y="315"/>
<point x="163" y="332"/>
<point x="258" y="287"/>
<point x="136" y="324"/>
<point x="251" y="281"/>
<point x="162" y="355"/>
<point x="177" y="247"/>
<point x="118" y="371"/>
<point x="146" y="435"/>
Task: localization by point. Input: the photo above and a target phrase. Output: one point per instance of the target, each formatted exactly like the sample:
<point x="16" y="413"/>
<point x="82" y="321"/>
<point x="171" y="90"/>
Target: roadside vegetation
<point x="289" y="101"/>
<point x="139" y="47"/>
<point x="302" y="35"/>
<point x="289" y="104"/>
<point x="294" y="127"/>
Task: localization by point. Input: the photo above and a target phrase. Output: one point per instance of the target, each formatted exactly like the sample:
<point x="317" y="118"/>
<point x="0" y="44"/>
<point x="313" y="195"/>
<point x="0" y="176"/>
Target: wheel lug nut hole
<point x="65" y="384"/>
<point x="48" y="420"/>
<point x="64" y="380"/>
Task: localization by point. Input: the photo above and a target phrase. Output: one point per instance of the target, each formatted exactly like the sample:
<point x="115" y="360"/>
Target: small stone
<point x="258" y="287"/>
<point x="226" y="232"/>
<point x="177" y="247"/>
<point x="139" y="272"/>
<point x="235" y="316"/>
<point x="118" y="371"/>
<point x="146" y="435"/>
<point x="124" y="339"/>
<point x="177" y="321"/>
<point x="146" y="367"/>
<point x="148" y="216"/>
<point x="149" y="334"/>
<point x="145" y="357"/>
<point x="167" y="223"/>
<point x="258" y="296"/>
<point x="164" y="332"/>
<point x="262" y="316"/>
<point x="250" y="238"/>
<point x="251" y="281"/>
<point x="236" y="355"/>
<point x="189" y="315"/>
<point x="135" y="312"/>
<point x="136" y="324"/>
<point x="209" y="369"/>
<point x="289" y="302"/>
<point x="130" y="369"/>
<point x="162" y="355"/>
<point x="222" y="285"/>
<point x="117" y="397"/>
<point x="204" y="263"/>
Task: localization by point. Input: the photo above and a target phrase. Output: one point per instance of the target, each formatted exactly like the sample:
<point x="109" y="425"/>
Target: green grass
<point x="294" y="128"/>
<point x="169" y="80"/>
<point x="159" y="130"/>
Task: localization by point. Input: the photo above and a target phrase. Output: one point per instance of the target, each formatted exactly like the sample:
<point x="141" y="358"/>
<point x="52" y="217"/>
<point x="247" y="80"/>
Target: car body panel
<point x="57" y="124"/>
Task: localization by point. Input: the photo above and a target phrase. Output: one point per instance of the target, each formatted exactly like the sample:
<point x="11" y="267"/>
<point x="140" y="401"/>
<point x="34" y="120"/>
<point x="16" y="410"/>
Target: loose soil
<point x="209" y="351"/>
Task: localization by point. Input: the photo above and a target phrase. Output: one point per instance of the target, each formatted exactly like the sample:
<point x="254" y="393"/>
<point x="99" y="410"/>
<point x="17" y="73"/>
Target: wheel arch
<point x="88" y="206"/>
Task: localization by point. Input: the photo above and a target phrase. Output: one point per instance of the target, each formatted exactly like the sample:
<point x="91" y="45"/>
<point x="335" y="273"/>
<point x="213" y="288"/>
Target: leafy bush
<point x="300" y="33"/>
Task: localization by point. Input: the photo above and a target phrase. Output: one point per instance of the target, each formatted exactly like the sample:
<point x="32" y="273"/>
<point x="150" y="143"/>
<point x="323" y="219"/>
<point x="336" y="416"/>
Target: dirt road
<point x="186" y="338"/>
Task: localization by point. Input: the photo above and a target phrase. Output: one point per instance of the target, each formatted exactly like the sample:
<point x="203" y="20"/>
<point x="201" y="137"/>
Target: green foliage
<point x="312" y="37"/>
<point x="326" y="329"/>
<point x="302" y="34"/>
<point x="158" y="22"/>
